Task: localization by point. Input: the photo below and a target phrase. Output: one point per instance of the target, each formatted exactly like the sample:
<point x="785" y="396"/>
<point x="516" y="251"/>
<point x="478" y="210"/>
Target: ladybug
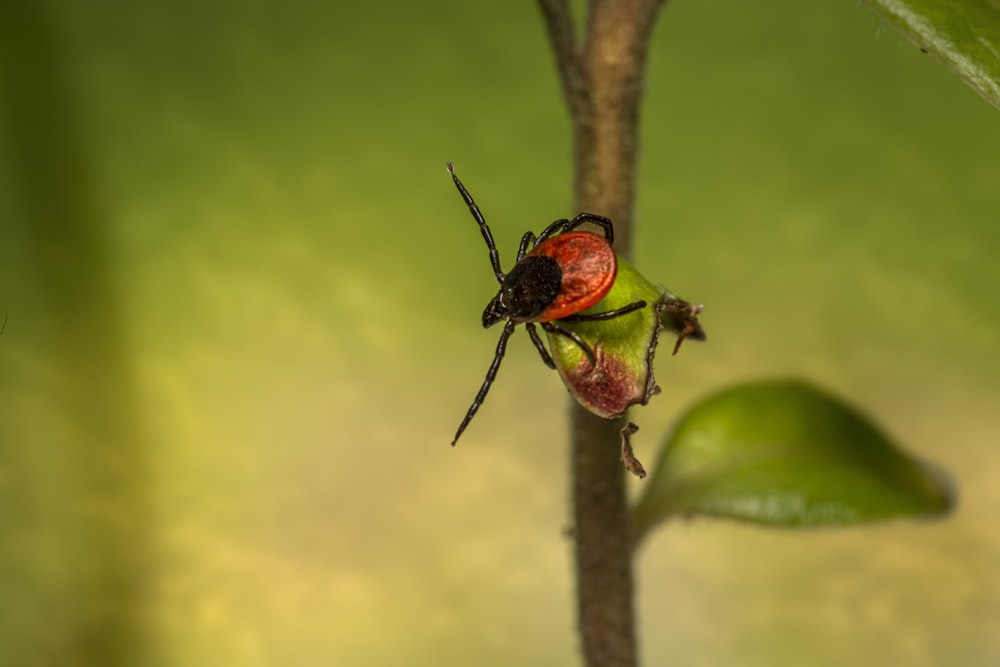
<point x="557" y="274"/>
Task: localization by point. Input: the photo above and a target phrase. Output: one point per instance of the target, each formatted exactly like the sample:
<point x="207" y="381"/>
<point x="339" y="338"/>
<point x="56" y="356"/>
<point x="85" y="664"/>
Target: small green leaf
<point x="785" y="453"/>
<point x="965" y="34"/>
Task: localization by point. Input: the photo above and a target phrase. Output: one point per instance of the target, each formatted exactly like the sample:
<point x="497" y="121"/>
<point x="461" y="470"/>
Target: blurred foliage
<point x="243" y="303"/>
<point x="965" y="34"/>
<point x="784" y="453"/>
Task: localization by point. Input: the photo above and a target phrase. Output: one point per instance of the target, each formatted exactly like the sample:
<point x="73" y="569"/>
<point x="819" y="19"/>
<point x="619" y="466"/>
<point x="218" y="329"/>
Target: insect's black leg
<point x="560" y="226"/>
<point x="556" y="227"/>
<point x="599" y="220"/>
<point x="538" y="344"/>
<point x="594" y="317"/>
<point x="483" y="227"/>
<point x="573" y="336"/>
<point x="491" y="375"/>
<point x="528" y="240"/>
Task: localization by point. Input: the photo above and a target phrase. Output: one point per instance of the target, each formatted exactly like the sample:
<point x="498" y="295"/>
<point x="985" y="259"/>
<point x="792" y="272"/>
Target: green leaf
<point x="785" y="453"/>
<point x="965" y="34"/>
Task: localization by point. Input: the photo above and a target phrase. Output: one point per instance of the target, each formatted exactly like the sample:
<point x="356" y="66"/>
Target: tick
<point x="557" y="274"/>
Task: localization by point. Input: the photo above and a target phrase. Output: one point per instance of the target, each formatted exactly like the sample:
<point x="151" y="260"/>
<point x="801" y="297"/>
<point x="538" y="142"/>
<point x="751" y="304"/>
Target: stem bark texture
<point x="601" y="78"/>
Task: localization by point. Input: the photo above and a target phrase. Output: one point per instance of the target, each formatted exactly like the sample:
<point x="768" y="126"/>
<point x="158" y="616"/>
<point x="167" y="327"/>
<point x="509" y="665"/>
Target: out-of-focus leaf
<point x="785" y="453"/>
<point x="965" y="34"/>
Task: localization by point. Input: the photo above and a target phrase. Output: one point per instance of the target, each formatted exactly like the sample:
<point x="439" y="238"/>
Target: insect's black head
<point x="530" y="287"/>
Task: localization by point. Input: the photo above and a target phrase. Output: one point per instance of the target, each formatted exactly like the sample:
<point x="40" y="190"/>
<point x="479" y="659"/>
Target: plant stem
<point x="605" y="614"/>
<point x="602" y="85"/>
<point x="101" y="510"/>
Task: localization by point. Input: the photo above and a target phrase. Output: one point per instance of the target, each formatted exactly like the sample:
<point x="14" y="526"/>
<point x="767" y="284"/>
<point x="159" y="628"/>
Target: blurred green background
<point x="243" y="306"/>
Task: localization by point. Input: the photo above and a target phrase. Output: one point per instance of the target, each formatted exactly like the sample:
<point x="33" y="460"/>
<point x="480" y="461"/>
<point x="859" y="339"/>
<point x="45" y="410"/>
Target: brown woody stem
<point x="601" y="80"/>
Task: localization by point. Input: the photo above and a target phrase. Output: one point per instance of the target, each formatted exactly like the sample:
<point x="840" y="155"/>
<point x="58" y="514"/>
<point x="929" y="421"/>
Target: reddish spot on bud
<point x="610" y="388"/>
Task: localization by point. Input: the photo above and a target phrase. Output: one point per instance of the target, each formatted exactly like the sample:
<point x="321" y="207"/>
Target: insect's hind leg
<point x="557" y="227"/>
<point x="607" y="315"/>
<point x="593" y="218"/>
<point x="546" y="357"/>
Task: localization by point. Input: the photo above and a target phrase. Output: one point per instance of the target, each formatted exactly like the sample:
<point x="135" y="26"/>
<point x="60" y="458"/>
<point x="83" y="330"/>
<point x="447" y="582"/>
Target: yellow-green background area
<point x="243" y="302"/>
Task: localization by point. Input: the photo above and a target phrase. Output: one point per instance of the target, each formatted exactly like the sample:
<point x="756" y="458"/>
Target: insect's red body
<point x="589" y="266"/>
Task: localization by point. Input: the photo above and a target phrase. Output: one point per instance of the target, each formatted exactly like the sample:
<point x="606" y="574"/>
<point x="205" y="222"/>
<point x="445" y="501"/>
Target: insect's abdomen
<point x="589" y="266"/>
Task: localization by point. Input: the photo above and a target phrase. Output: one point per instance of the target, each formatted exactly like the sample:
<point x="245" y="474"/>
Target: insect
<point x="557" y="274"/>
